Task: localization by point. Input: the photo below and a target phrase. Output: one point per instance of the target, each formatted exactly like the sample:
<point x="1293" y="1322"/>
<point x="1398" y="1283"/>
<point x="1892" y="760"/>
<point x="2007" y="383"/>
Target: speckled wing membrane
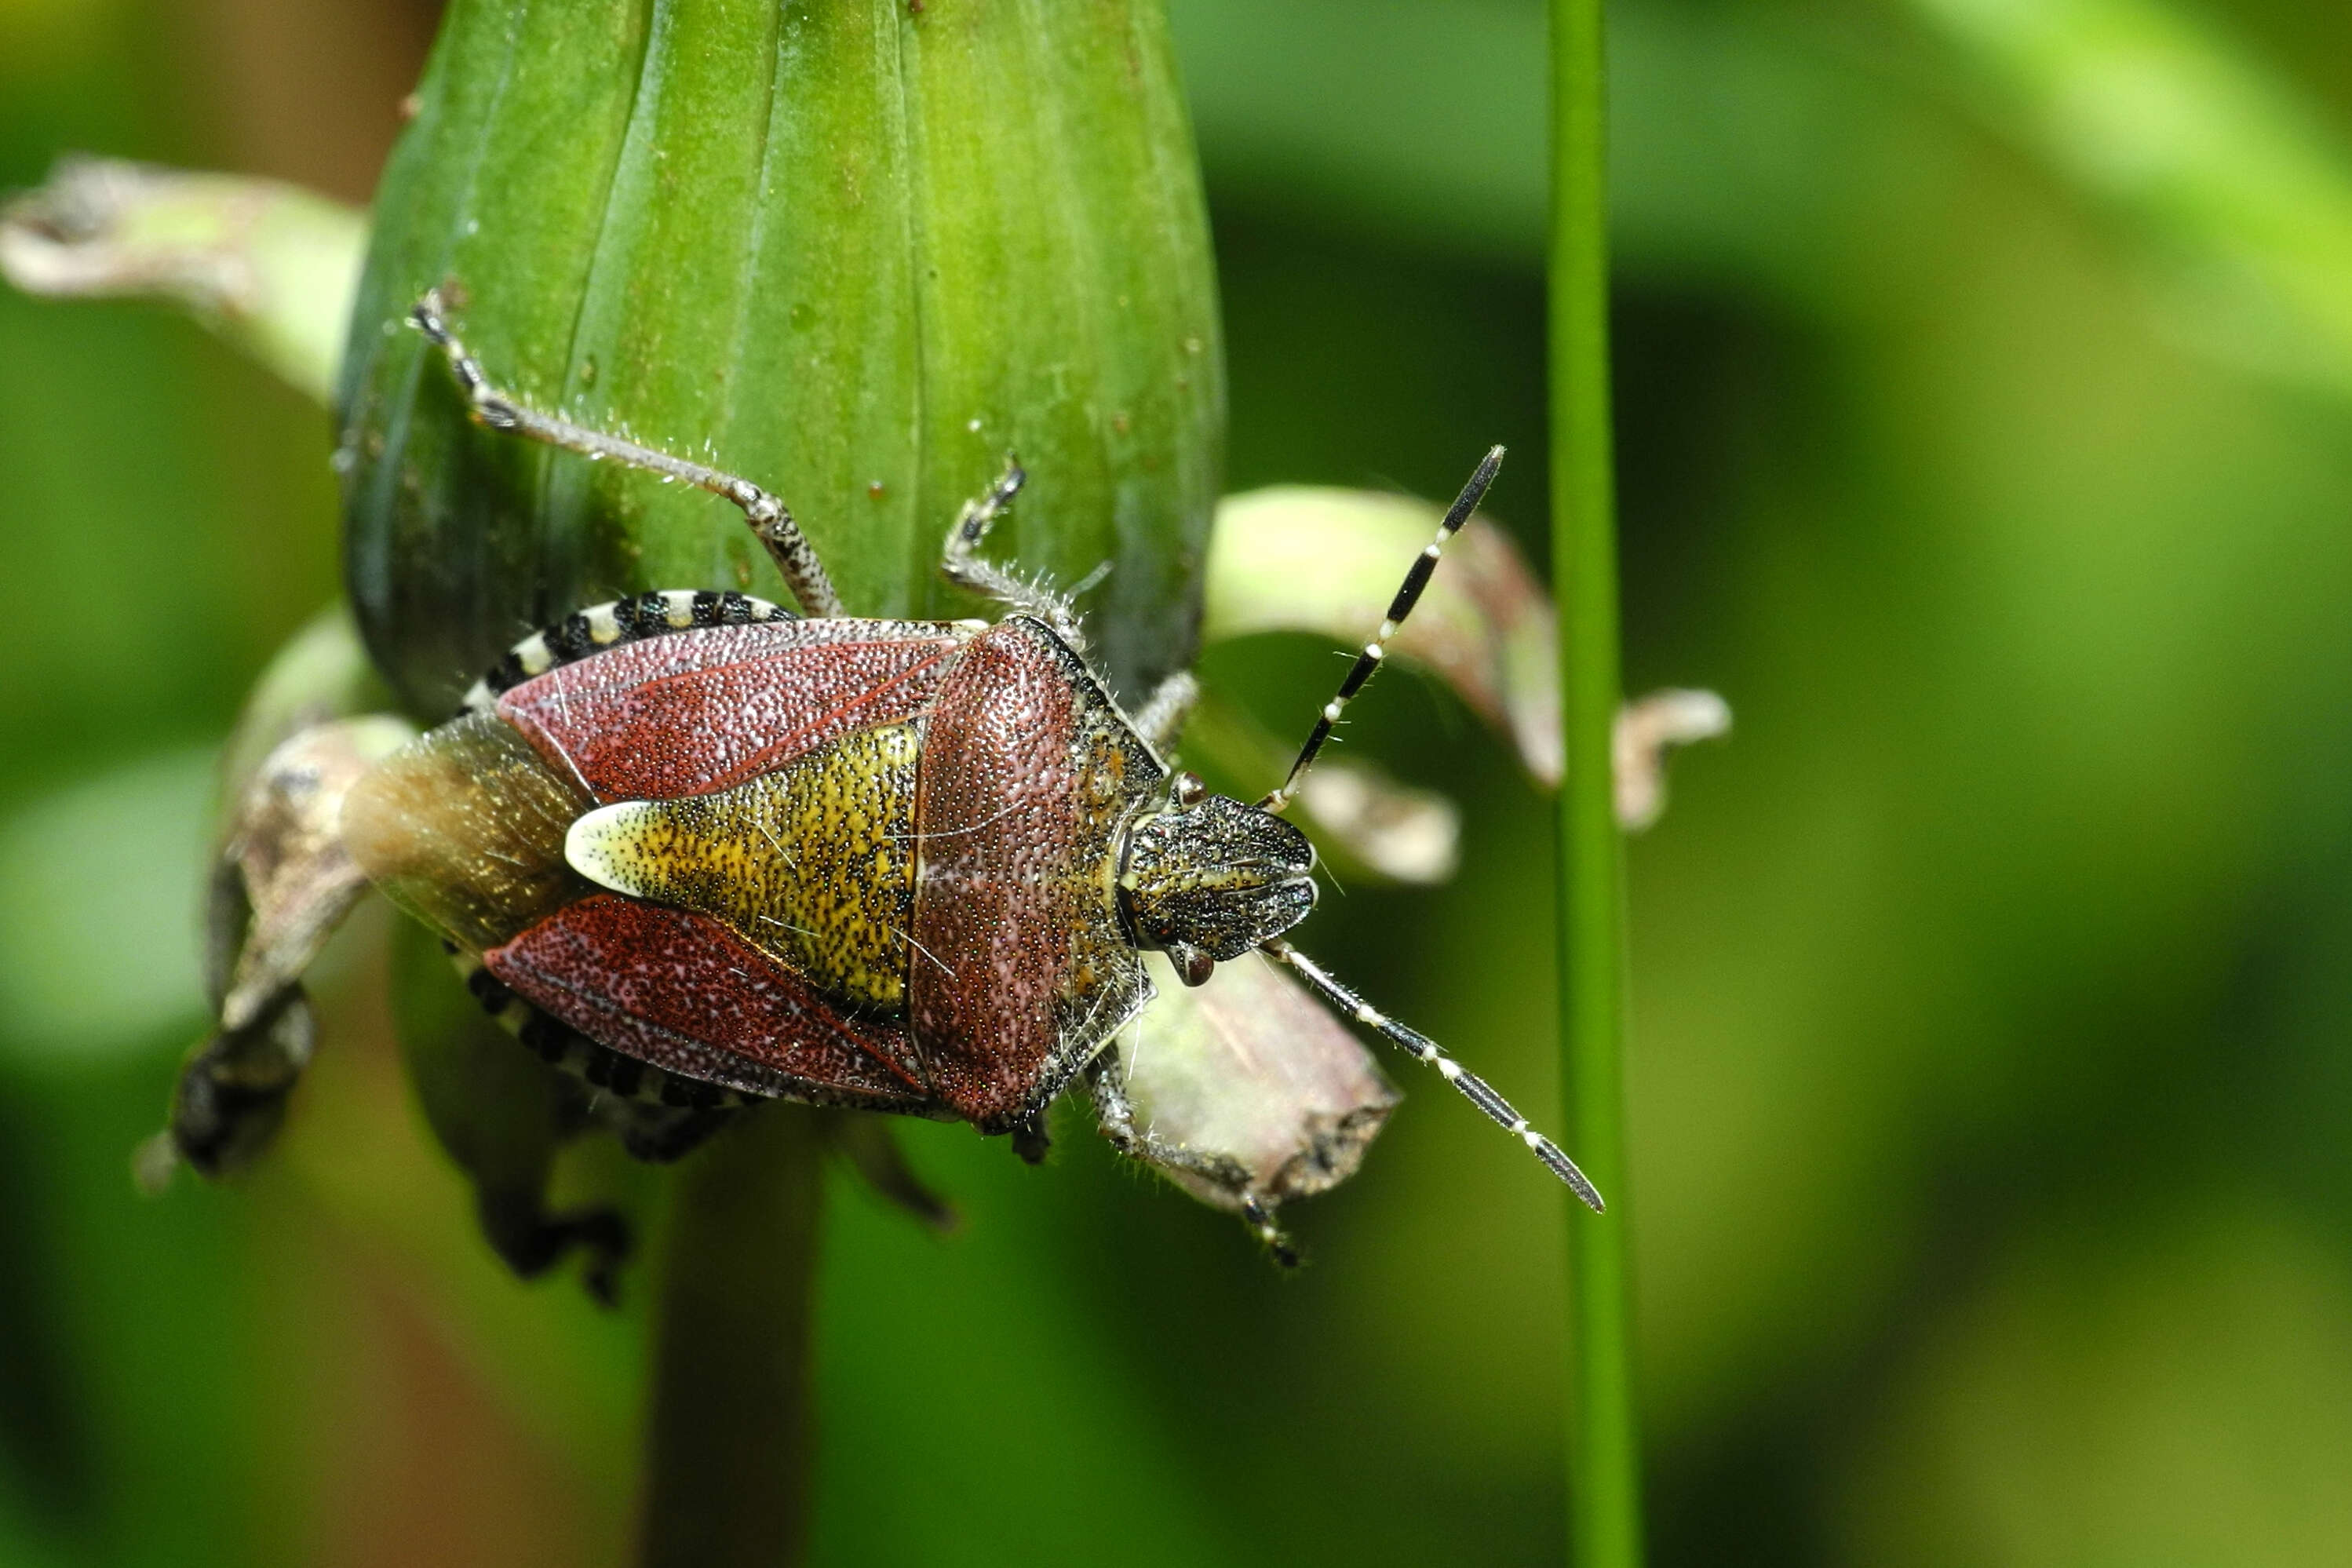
<point x="704" y="709"/>
<point x="681" y="990"/>
<point x="1021" y="971"/>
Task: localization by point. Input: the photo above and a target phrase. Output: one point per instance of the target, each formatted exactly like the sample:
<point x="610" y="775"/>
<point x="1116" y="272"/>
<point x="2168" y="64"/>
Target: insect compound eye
<point x="1188" y="790"/>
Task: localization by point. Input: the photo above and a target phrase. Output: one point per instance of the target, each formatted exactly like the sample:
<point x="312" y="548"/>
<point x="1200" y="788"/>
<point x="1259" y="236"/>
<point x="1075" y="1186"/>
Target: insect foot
<point x="531" y="1241"/>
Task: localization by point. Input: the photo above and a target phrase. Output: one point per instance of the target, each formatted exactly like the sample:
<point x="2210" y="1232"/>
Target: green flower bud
<point x="852" y="253"/>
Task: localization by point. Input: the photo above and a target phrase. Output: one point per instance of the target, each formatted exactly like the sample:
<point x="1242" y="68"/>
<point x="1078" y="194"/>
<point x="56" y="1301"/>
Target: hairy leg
<point x="771" y="523"/>
<point x="1162" y="717"/>
<point x="963" y="566"/>
<point x="1108" y="1079"/>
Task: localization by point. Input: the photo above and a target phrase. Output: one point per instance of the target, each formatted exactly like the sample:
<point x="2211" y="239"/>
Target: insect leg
<point x="1408" y="595"/>
<point x="771" y="523"/>
<point x="1031" y="1141"/>
<point x="1162" y="717"/>
<point x="874" y="1152"/>
<point x="530" y="1240"/>
<point x="1115" y="1113"/>
<point x="663" y="1134"/>
<point x="962" y="564"/>
<point x="1473" y="1088"/>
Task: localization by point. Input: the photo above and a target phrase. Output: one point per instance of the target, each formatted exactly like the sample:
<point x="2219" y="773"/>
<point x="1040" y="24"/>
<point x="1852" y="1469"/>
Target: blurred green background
<point x="1985" y="378"/>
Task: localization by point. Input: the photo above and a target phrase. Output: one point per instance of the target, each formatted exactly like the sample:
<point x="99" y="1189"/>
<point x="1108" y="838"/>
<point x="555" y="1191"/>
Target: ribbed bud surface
<point x="855" y="252"/>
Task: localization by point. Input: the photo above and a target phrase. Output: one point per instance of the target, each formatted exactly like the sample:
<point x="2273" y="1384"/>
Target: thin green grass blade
<point x="1604" y="1460"/>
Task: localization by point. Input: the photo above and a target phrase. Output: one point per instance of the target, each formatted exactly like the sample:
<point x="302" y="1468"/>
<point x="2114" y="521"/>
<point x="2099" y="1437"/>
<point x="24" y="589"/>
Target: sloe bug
<point x="699" y="851"/>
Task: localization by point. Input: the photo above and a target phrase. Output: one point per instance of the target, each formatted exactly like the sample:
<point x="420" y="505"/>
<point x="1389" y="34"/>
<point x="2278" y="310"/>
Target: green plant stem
<point x="730" y="1439"/>
<point x="1604" y="1451"/>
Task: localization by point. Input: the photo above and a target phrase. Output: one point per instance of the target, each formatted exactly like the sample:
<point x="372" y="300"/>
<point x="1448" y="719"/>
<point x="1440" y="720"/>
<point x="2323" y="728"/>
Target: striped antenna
<point x="1408" y="595"/>
<point x="1473" y="1089"/>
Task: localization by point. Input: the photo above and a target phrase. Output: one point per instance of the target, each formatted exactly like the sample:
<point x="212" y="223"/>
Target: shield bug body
<point x="698" y="849"/>
<point x="866" y="863"/>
